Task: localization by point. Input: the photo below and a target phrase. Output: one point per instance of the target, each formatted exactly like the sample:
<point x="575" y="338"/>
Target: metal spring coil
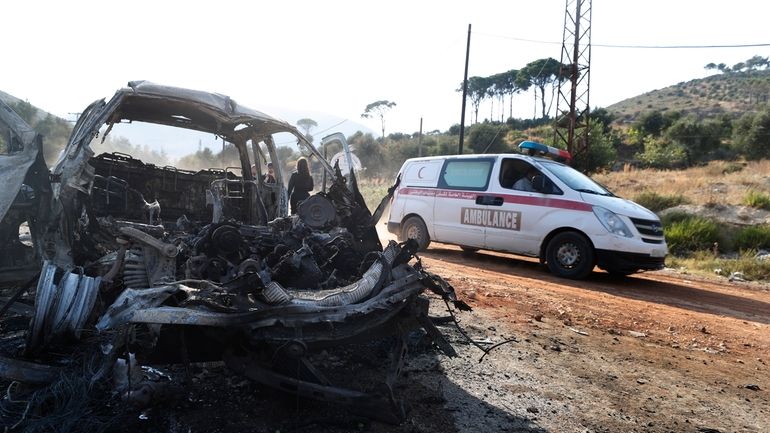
<point x="135" y="271"/>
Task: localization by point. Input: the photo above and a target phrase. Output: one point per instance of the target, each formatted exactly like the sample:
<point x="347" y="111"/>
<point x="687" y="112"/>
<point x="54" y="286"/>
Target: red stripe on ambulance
<point x="508" y="198"/>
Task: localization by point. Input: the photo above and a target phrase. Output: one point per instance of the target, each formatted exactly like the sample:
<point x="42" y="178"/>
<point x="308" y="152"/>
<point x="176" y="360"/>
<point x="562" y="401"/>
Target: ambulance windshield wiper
<point x="590" y="191"/>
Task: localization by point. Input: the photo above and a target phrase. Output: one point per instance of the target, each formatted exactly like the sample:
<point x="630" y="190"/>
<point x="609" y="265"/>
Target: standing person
<point x="270" y="176"/>
<point x="300" y="185"/>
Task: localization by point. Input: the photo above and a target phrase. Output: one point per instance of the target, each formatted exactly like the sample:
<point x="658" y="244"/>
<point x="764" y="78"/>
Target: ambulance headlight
<point x="612" y="222"/>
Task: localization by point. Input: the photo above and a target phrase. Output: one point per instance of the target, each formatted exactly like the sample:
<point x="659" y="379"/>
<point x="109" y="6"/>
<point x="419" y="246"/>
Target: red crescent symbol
<point x="419" y="172"/>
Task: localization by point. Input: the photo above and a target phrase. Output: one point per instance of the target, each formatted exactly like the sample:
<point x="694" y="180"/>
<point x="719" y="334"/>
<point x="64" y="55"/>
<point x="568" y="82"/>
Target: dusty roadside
<point x="656" y="352"/>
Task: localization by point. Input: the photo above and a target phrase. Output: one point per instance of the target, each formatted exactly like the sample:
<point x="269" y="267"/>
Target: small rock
<point x="556" y="348"/>
<point x="637" y="334"/>
<point x="752" y="386"/>
<point x="533" y="410"/>
<point x="704" y="330"/>
<point x="641" y="381"/>
<point x="538" y="317"/>
<point x="737" y="276"/>
<point x="671" y="329"/>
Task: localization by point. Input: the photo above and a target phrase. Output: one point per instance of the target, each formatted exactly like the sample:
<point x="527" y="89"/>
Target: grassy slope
<point x="711" y="184"/>
<point x="733" y="93"/>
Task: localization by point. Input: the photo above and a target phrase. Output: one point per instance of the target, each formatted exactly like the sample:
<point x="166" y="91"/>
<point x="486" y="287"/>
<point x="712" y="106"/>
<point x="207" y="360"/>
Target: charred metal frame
<point x="256" y="283"/>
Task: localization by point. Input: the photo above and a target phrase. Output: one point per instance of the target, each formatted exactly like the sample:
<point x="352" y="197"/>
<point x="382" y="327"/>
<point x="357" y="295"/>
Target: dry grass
<point x="718" y="183"/>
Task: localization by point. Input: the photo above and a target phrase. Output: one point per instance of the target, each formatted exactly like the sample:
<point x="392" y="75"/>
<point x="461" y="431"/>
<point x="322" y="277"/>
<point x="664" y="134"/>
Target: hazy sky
<point x="338" y="56"/>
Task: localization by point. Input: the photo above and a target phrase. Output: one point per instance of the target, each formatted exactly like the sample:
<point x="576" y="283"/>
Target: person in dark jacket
<point x="300" y="185"/>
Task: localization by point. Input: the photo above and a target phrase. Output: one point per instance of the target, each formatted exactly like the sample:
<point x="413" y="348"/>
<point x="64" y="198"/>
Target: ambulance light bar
<point x="534" y="148"/>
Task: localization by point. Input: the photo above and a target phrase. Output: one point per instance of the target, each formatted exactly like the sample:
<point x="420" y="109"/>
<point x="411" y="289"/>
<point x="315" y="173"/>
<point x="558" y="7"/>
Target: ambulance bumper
<point x="619" y="261"/>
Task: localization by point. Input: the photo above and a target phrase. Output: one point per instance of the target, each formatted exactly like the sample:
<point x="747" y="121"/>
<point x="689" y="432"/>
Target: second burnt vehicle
<point x="184" y="266"/>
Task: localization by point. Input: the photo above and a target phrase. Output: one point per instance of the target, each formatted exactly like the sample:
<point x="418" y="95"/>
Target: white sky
<point x="337" y="56"/>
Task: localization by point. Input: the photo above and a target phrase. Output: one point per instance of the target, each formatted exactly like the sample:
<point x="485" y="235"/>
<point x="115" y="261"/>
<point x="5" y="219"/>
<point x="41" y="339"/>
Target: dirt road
<point x="654" y="352"/>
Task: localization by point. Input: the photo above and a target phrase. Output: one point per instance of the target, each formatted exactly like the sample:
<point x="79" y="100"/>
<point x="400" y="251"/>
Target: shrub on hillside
<point x="488" y="138"/>
<point x="657" y="202"/>
<point x="752" y="238"/>
<point x="601" y="150"/>
<point x="660" y="153"/>
<point x="757" y="199"/>
<point x="750" y="134"/>
<point x="699" y="138"/>
<point x="692" y="234"/>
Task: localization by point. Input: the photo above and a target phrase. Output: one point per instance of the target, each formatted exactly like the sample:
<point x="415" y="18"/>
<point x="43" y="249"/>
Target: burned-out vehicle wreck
<point x="140" y="265"/>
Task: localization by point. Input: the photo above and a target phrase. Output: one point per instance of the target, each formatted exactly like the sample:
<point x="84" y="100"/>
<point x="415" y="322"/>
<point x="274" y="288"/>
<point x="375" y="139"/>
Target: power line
<point x="536" y="41"/>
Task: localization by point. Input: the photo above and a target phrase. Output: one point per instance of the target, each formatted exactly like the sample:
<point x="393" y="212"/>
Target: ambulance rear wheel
<point x="570" y="255"/>
<point x="414" y="228"/>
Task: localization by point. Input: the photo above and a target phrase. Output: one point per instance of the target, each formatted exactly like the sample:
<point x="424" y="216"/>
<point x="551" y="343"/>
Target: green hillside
<point x="725" y="93"/>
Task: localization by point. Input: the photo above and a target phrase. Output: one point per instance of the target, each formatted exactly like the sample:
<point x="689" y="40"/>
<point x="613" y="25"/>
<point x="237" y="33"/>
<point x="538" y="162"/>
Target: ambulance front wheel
<point x="414" y="228"/>
<point x="570" y="255"/>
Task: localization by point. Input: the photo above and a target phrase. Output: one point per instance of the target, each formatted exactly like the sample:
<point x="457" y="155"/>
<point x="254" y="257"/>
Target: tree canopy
<point x="378" y="109"/>
<point x="307" y="124"/>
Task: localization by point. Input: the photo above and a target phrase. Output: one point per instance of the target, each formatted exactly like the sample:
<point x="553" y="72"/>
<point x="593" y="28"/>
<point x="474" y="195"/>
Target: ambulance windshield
<point x="575" y="179"/>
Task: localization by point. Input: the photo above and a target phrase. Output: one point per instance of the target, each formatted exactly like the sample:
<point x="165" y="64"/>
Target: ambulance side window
<point x="517" y="174"/>
<point x="466" y="174"/>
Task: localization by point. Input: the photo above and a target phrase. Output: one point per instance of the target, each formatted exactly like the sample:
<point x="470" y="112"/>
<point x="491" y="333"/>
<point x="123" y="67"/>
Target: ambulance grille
<point x="652" y="241"/>
<point x="648" y="227"/>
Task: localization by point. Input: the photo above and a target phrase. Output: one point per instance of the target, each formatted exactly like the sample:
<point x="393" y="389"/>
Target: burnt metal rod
<point x="18" y="294"/>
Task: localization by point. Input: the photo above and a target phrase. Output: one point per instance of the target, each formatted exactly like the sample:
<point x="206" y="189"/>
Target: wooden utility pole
<point x="465" y="91"/>
<point x="419" y="140"/>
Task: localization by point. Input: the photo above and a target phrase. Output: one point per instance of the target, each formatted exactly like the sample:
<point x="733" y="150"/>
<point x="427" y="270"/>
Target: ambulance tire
<point x="415" y="228"/>
<point x="570" y="255"/>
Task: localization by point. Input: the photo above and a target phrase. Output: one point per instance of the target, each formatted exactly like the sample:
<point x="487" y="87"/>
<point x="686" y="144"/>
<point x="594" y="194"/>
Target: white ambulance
<point x="526" y="205"/>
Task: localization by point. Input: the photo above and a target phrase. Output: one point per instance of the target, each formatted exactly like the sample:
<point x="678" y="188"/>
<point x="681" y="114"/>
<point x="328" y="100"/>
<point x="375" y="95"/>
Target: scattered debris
<point x="226" y="275"/>
<point x="636" y="334"/>
<point x="752" y="386"/>
<point x="577" y="331"/>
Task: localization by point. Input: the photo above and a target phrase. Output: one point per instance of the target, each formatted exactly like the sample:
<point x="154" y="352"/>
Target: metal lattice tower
<point x="572" y="108"/>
